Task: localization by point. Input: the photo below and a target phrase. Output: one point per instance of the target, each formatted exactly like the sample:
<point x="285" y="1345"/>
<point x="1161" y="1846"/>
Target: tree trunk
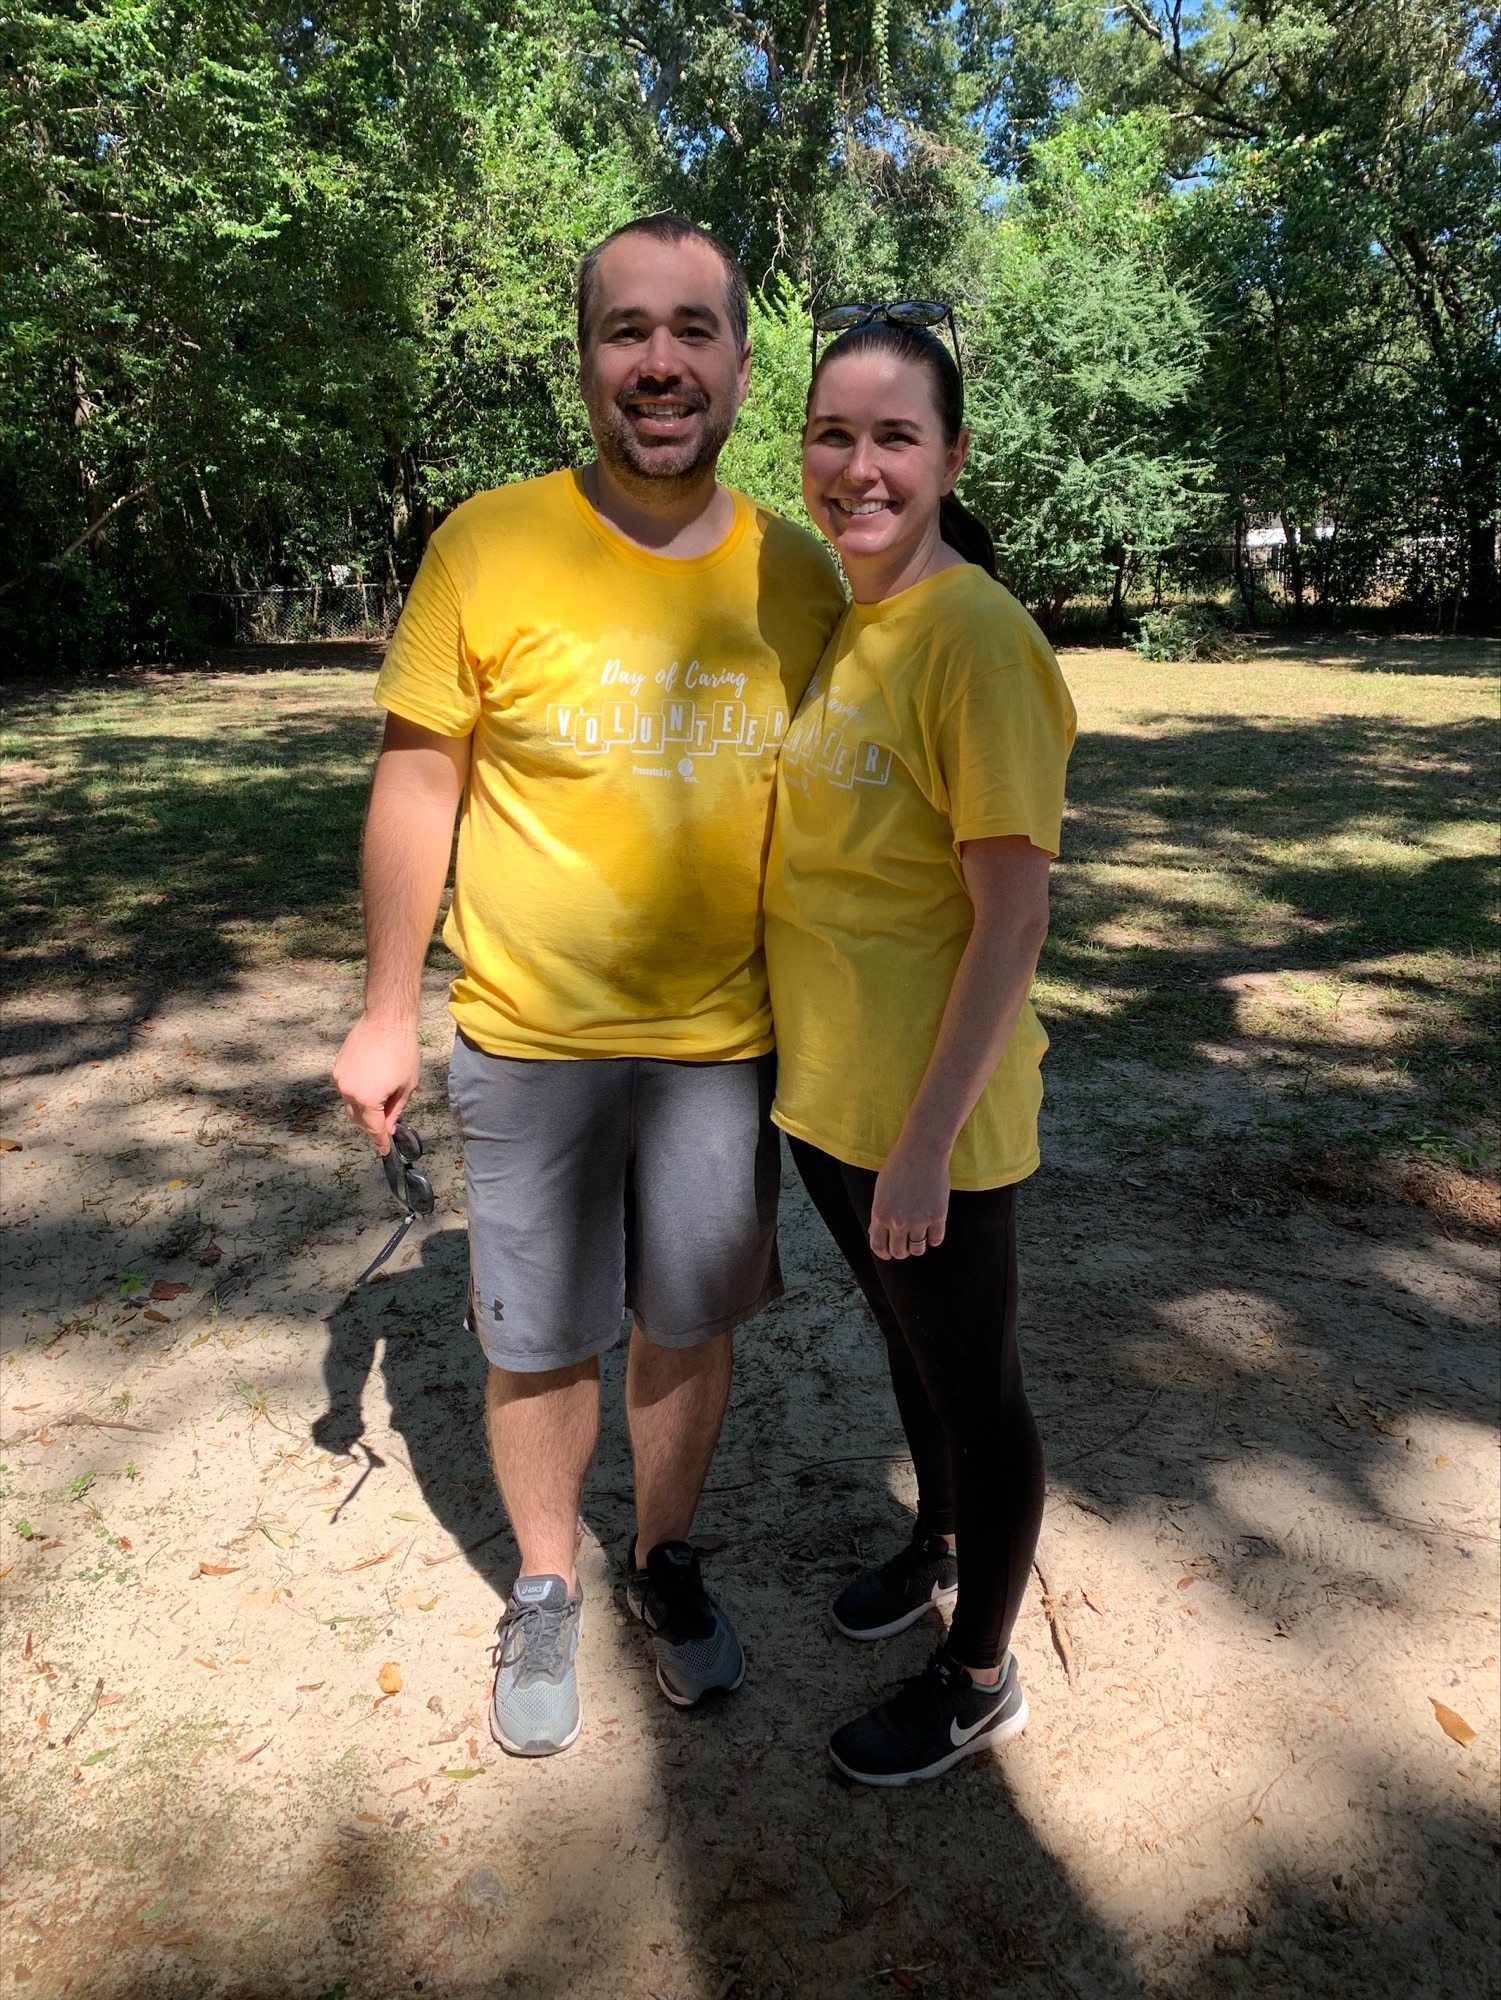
<point x="1294" y="559"/>
<point x="1481" y="606"/>
<point x="1245" y="583"/>
<point x="1117" y="620"/>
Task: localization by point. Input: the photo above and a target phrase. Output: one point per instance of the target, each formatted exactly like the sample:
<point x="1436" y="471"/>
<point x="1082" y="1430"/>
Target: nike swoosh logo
<point x="958" y="1735"/>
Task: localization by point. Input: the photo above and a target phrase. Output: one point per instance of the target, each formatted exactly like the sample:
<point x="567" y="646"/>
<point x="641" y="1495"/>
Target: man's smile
<point x="663" y="416"/>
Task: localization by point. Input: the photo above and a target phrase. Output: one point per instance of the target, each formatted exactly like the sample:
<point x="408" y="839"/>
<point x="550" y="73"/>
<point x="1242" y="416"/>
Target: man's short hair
<point x="668" y="228"/>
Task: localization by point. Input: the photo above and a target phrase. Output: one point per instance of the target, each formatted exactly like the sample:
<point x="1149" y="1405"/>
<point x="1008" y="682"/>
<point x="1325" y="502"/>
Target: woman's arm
<point x="1007" y="880"/>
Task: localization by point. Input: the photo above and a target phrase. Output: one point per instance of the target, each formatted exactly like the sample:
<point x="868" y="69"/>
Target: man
<point x="601" y="666"/>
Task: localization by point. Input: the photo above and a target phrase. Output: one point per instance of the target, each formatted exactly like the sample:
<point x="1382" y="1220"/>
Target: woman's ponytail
<point x="966" y="534"/>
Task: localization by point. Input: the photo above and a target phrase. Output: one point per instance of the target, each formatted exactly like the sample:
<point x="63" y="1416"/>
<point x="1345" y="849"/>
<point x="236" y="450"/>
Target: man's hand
<point x="375" y="1073"/>
<point x="911" y="1205"/>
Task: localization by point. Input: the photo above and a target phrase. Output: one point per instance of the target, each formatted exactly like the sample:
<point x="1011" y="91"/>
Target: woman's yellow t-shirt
<point x="937" y="716"/>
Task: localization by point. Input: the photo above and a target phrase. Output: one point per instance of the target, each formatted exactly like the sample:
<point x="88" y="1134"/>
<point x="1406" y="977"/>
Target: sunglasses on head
<point x="924" y="314"/>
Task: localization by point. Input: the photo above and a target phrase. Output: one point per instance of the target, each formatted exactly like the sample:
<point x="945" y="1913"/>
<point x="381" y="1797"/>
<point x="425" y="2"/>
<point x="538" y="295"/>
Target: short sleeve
<point x="1003" y="741"/>
<point x="427" y="677"/>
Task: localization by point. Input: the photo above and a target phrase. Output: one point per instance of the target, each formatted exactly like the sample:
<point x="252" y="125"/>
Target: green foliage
<point x="762" y="456"/>
<point x="1187" y="632"/>
<point x="1085" y="352"/>
<point x="281" y="285"/>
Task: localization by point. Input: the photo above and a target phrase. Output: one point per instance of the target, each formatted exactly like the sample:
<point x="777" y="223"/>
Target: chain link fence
<point x="310" y="611"/>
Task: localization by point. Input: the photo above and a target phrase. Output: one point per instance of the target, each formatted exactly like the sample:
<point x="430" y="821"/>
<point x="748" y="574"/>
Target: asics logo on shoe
<point x="958" y="1735"/>
<point x="531" y="1590"/>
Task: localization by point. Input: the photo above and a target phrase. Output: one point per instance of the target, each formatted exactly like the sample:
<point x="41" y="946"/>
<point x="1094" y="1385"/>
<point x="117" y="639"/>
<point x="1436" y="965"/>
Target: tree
<point x="1370" y="131"/>
<point x="1084" y="356"/>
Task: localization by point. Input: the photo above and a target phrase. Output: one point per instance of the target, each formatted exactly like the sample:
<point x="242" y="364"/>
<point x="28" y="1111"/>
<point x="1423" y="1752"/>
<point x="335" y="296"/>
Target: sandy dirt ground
<point x="241" y="1506"/>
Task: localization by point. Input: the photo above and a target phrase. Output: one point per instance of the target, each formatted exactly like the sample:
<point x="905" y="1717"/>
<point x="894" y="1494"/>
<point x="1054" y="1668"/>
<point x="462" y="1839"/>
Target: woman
<point x="919" y="800"/>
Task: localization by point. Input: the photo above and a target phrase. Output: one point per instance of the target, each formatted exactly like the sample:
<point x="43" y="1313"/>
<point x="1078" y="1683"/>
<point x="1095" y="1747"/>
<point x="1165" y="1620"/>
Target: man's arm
<point x="1007" y="879"/>
<point x="419" y="781"/>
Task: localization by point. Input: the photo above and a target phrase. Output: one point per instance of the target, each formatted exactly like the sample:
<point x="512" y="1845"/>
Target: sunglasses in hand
<point x="407" y="1181"/>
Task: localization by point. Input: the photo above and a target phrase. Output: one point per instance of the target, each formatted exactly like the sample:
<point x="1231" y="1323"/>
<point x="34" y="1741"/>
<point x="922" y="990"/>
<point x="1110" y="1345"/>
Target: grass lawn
<point x="1291" y="860"/>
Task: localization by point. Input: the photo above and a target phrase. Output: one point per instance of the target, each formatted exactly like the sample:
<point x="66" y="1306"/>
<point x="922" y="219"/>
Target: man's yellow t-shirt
<point x="937" y="716"/>
<point x="627" y="710"/>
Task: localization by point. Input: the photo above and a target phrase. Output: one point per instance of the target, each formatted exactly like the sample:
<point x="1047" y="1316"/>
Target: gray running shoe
<point x="697" y="1651"/>
<point x="534" y="1710"/>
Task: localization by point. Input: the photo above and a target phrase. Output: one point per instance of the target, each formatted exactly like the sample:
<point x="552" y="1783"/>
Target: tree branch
<point x="57" y="561"/>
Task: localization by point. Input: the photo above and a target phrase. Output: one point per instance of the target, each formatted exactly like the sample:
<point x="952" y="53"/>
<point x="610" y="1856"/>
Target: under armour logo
<point x="498" y="1309"/>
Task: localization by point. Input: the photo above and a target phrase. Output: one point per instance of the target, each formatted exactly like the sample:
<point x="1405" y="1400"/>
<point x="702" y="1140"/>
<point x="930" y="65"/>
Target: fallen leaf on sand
<point x="1452" y="1725"/>
<point x="1093" y="1602"/>
<point x="98" y="1756"/>
<point x="472" y="1631"/>
<point x="1186" y="1582"/>
<point x="220" y="1569"/>
<point x="125" y="1545"/>
<point x="309" y="1687"/>
<point x="408" y="1517"/>
<point x="282" y="1537"/>
<point x="209" y="1254"/>
<point x="4" y="1573"/>
<point x="371" y="1561"/>
<point x="25" y="1406"/>
<point x="475" y="1771"/>
<point x="164" y="1289"/>
<point x="212" y="1665"/>
<point x="1441" y="1459"/>
<point x="10" y="1145"/>
<point x="161" y="1319"/>
<point x="175" y="1184"/>
<point x="389" y="1678"/>
<point x="706" y="1544"/>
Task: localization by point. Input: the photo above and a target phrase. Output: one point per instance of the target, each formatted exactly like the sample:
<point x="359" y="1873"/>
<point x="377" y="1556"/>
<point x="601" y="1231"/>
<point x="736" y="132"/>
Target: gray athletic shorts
<point x="607" y="1185"/>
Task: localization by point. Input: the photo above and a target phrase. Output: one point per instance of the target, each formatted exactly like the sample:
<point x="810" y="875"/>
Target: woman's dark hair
<point x="965" y="533"/>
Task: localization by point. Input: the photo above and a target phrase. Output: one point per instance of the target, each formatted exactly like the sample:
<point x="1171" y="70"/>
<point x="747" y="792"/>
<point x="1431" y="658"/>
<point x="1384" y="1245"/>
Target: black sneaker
<point x="889" y="1599"/>
<point x="929" y="1724"/>
<point x="697" y="1651"/>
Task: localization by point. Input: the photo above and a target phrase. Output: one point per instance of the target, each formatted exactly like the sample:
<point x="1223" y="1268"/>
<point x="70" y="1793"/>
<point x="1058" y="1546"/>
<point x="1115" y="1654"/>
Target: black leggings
<point x="949" y="1318"/>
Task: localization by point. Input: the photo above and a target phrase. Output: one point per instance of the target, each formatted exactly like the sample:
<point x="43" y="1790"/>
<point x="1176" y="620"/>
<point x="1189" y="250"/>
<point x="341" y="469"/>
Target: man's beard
<point x="640" y="465"/>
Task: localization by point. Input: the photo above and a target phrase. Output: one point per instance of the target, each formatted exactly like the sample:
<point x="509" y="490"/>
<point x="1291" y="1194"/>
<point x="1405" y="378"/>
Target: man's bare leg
<point x="542" y="1431"/>
<point x="675" y="1401"/>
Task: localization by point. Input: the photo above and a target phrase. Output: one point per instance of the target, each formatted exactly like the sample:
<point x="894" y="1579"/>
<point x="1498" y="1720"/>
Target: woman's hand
<point x="911" y="1204"/>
